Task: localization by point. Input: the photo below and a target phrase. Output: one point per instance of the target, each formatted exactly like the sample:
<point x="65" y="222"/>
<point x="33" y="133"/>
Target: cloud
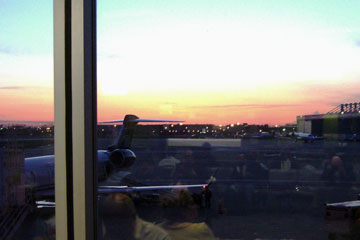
<point x="19" y="122"/>
<point x="261" y="106"/>
<point x="25" y="87"/>
<point x="357" y="43"/>
<point x="15" y="51"/>
<point x="12" y="88"/>
<point x="8" y="51"/>
<point x="331" y="94"/>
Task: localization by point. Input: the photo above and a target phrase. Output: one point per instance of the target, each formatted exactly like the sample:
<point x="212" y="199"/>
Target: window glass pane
<point x="268" y="92"/>
<point x="26" y="120"/>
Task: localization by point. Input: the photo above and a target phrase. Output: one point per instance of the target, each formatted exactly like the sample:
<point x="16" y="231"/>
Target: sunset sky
<point x="199" y="61"/>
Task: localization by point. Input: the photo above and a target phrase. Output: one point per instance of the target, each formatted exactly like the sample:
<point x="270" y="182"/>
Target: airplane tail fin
<point x="126" y="133"/>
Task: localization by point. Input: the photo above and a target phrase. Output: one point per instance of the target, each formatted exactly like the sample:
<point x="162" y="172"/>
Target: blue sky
<point x="26" y="27"/>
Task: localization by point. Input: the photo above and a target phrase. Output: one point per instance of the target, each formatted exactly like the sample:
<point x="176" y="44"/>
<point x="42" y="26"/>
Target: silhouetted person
<point x="337" y="179"/>
<point x="249" y="173"/>
<point x="285" y="163"/>
<point x="121" y="221"/>
<point x="334" y="171"/>
<point x="206" y="194"/>
<point x="166" y="170"/>
<point x="238" y="170"/>
<point x="249" y="168"/>
<point x="254" y="169"/>
<point x="180" y="212"/>
<point x="185" y="170"/>
<point x="145" y="170"/>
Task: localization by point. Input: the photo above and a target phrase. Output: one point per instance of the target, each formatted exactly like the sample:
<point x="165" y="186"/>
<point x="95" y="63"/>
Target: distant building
<point x="342" y="122"/>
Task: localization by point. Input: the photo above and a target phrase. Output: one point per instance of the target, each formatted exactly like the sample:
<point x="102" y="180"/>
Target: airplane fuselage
<point x="40" y="171"/>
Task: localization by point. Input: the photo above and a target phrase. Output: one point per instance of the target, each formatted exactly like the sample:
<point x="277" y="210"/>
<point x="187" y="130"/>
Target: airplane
<point x="307" y="137"/>
<point x="39" y="171"/>
<point x="258" y="135"/>
<point x="262" y="135"/>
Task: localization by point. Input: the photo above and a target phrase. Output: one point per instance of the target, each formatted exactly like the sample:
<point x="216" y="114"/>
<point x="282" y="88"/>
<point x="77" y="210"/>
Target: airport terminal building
<point x="342" y="122"/>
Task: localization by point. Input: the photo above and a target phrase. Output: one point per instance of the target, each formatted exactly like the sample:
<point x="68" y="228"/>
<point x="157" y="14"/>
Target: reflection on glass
<point x="268" y="95"/>
<point x="180" y="214"/>
<point x="26" y="115"/>
<point x="122" y="222"/>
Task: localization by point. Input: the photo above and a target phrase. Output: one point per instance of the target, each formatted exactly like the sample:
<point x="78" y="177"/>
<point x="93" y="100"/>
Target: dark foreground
<point x="284" y="201"/>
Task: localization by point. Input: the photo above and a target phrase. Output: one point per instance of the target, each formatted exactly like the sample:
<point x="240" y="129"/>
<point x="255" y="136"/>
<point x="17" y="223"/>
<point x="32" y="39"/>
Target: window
<point x="270" y="131"/>
<point x="268" y="95"/>
<point x="26" y="120"/>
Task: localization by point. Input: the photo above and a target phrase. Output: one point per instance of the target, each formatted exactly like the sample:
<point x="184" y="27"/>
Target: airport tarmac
<point x="270" y="220"/>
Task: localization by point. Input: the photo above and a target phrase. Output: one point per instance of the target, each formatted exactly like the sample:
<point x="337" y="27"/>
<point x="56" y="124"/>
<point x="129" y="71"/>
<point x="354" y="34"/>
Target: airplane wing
<point x="45" y="204"/>
<point x="119" y="189"/>
<point x="138" y="120"/>
<point x="116" y="189"/>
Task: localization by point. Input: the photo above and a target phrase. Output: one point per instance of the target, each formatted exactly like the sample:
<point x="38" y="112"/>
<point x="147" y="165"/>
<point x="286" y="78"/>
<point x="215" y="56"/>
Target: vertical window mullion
<point x="84" y="117"/>
<point x="62" y="101"/>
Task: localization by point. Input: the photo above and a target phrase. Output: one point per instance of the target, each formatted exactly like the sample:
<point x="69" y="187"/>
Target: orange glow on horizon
<point x="201" y="111"/>
<point x="277" y="105"/>
<point x="27" y="105"/>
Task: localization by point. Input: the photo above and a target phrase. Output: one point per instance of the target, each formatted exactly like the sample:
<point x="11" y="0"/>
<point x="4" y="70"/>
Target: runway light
<point x="276" y="125"/>
<point x="115" y="125"/>
<point x="180" y="124"/>
<point x="283" y="129"/>
<point x="172" y="125"/>
<point x="238" y="123"/>
<point x="232" y="125"/>
<point x="342" y="113"/>
<point x="260" y="130"/>
<point x="220" y="125"/>
<point x="203" y="186"/>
